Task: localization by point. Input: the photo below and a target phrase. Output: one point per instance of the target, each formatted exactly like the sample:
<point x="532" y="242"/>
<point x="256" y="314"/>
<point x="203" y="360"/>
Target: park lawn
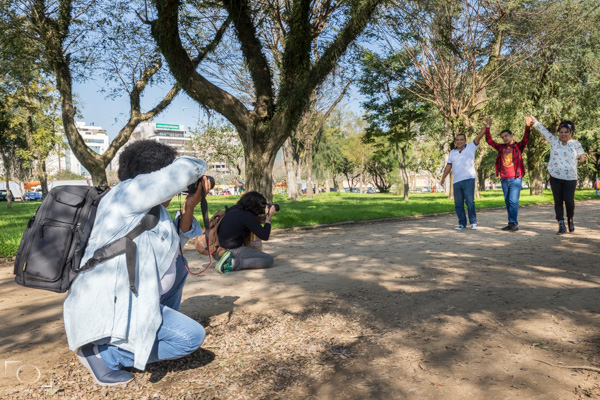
<point x="328" y="208"/>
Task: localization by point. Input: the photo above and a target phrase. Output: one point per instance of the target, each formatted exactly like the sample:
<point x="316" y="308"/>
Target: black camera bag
<point x="55" y="239"/>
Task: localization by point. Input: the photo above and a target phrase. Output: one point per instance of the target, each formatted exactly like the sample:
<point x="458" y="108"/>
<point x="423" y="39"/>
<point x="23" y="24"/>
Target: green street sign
<point x="167" y="126"/>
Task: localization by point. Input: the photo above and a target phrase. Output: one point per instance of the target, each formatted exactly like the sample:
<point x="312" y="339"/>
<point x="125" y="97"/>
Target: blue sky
<point x="112" y="114"/>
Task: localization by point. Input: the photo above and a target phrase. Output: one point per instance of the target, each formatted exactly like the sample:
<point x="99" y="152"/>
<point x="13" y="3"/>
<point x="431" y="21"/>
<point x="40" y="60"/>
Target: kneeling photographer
<point x="237" y="224"/>
<point x="115" y="320"/>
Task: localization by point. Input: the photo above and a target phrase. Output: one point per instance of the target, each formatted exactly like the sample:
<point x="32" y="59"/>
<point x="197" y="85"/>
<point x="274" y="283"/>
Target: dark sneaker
<point x="225" y="263"/>
<point x="561" y="228"/>
<point x="514" y="228"/>
<point x="104" y="376"/>
<point x="571" y="225"/>
<point x="507" y="227"/>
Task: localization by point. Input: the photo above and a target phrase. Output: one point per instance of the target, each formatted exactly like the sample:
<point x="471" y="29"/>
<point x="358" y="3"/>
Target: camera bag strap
<point x="125" y="245"/>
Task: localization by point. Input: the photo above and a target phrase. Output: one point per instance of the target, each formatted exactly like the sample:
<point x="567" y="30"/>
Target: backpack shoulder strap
<point x="125" y="245"/>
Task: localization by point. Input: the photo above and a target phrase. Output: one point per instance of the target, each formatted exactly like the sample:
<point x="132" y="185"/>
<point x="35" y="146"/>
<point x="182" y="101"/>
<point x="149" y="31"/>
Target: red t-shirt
<point x="507" y="168"/>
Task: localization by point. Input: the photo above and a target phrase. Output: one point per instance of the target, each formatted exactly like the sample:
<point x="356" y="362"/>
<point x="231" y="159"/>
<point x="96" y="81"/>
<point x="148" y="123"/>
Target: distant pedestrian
<point x="597" y="186"/>
<point x="510" y="168"/>
<point x="564" y="153"/>
<point x="461" y="162"/>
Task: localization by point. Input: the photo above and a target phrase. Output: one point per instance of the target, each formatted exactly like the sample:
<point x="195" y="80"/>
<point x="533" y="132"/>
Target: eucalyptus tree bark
<point x="291" y="160"/>
<point x="315" y="127"/>
<point x="263" y="129"/>
<point x="7" y="180"/>
<point x="54" y="33"/>
<point x="309" y="169"/>
<point x="40" y="159"/>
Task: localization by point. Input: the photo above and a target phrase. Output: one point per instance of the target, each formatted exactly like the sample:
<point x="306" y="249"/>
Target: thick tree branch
<point x="260" y="71"/>
<point x="165" y="31"/>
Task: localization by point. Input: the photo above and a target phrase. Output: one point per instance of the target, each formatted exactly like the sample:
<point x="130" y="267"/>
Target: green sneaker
<point x="225" y="263"/>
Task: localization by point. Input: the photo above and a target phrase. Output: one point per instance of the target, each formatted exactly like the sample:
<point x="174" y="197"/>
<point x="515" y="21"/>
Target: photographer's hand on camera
<point x="269" y="212"/>
<point x="191" y="201"/>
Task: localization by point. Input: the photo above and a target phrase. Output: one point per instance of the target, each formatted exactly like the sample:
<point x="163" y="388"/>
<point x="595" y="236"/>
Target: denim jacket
<point x="100" y="307"/>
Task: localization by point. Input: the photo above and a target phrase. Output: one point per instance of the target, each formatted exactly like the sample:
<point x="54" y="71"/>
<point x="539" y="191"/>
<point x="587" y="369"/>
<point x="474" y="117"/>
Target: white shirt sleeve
<point x="579" y="148"/>
<point x="545" y="132"/>
<point x="472" y="148"/>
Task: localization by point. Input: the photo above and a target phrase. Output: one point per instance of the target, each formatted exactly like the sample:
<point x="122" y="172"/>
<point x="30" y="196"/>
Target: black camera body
<point x="274" y="205"/>
<point x="194" y="186"/>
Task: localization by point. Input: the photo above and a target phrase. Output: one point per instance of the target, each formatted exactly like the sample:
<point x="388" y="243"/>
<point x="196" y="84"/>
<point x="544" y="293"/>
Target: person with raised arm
<point x="461" y="162"/>
<point x="564" y="154"/>
<point x="510" y="168"/>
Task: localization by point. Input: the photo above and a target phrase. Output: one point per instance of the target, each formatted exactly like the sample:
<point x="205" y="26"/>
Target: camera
<point x="274" y="205"/>
<point x="194" y="186"/>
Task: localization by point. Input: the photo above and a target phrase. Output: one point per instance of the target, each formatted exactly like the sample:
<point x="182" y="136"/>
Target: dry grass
<point x="271" y="355"/>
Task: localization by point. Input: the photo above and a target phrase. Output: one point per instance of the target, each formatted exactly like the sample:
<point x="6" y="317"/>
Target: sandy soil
<point x="403" y="309"/>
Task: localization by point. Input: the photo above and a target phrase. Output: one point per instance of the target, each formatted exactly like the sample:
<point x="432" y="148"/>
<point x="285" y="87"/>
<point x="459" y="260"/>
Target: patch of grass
<point x="13" y="222"/>
<point x="325" y="208"/>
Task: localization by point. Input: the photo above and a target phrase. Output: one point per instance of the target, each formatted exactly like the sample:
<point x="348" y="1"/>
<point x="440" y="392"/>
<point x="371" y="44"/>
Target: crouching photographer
<point x="117" y="317"/>
<point x="237" y="224"/>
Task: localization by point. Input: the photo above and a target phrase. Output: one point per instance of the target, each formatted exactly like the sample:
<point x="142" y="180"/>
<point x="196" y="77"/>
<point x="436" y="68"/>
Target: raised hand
<point x="530" y="119"/>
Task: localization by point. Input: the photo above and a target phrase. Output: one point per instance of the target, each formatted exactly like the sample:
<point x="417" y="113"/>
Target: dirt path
<point x="390" y="310"/>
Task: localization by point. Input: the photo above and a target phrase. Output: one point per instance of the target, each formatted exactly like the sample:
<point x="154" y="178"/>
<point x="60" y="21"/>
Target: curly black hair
<point x="143" y="157"/>
<point x="567" y="124"/>
<point x="253" y="202"/>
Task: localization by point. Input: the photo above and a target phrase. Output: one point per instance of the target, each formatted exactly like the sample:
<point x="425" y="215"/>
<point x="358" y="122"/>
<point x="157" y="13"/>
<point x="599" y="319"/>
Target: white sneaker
<point x="473" y="226"/>
<point x="460" y="227"/>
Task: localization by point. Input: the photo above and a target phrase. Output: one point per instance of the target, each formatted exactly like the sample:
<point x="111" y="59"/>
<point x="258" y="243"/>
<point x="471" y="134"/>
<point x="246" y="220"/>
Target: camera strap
<point x="206" y="220"/>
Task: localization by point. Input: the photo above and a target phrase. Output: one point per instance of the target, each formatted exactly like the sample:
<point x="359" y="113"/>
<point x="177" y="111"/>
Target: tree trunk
<point x="43" y="176"/>
<point x="481" y="177"/>
<point x="259" y="164"/>
<point x="309" y="167"/>
<point x="7" y="180"/>
<point x="478" y="186"/>
<point x="290" y="160"/>
<point x="404" y="172"/>
<point x="535" y="167"/>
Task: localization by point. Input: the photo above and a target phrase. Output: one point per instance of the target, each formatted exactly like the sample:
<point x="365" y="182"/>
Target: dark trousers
<point x="563" y="192"/>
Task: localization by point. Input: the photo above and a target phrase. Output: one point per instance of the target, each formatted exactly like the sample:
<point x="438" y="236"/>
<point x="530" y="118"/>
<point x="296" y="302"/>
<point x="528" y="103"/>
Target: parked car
<point x="3" y="195"/>
<point x="32" y="196"/>
<point x="371" y="190"/>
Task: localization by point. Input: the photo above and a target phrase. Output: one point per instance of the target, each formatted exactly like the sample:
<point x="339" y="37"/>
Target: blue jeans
<point x="464" y="192"/>
<point x="177" y="336"/>
<point x="512" y="192"/>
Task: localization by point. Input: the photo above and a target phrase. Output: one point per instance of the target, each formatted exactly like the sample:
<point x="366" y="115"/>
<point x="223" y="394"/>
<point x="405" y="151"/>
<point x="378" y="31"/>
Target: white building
<point x="172" y="135"/>
<point x="96" y="139"/>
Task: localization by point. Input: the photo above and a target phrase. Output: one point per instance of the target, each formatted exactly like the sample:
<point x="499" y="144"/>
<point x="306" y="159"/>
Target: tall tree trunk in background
<point x="535" y="166"/>
<point x="309" y="168"/>
<point x="292" y="169"/>
<point x="404" y="172"/>
<point x="7" y="180"/>
<point x="478" y="159"/>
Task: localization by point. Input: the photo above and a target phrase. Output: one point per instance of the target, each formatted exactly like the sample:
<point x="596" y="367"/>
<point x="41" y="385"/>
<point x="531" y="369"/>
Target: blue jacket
<point x="100" y="307"/>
